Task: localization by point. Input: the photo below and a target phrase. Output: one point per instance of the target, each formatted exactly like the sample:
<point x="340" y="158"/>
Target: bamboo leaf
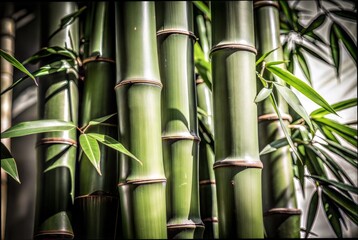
<point x="112" y="143"/>
<point x="350" y="139"/>
<point x="346" y="14"/>
<point x="346" y="204"/>
<point x="346" y="154"/>
<point x="312" y="212"/>
<point x="341" y="186"/>
<point x="334" y="45"/>
<point x="350" y="131"/>
<point x="314" y="24"/>
<point x="332" y="214"/>
<point x="17" y="64"/>
<point x="100" y="120"/>
<point x="264" y="56"/>
<point x="91" y="149"/>
<point x="313" y="53"/>
<point x="202" y="111"/>
<point x="50" y="51"/>
<point x="347" y="40"/>
<point x="342" y="105"/>
<point x="303" y="64"/>
<point x="301" y="86"/>
<point x="37" y="126"/>
<point x="327" y="132"/>
<point x="273" y="146"/>
<point x="203" y="7"/>
<point x="263" y="94"/>
<point x="316" y="162"/>
<point x="291" y="98"/>
<point x="8" y="163"/>
<point x="70" y="18"/>
<point x="276" y="62"/>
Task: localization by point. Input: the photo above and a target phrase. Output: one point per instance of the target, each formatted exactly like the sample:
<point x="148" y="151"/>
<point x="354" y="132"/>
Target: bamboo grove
<point x="179" y="119"/>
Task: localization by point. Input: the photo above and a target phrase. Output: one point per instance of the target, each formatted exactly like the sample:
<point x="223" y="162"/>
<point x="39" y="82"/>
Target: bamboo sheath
<point x="179" y="118"/>
<point x="96" y="199"/>
<point x="237" y="164"/>
<point x="57" y="99"/>
<point x="138" y="92"/>
<point x="7" y="31"/>
<point x="281" y="216"/>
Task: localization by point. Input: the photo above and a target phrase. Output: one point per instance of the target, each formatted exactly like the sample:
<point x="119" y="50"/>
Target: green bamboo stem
<point x="281" y="216"/>
<point x="57" y="99"/>
<point x="7" y="43"/>
<point x="207" y="183"/>
<point x="237" y="164"/>
<point x="138" y="91"/>
<point x="179" y="118"/>
<point x="97" y="195"/>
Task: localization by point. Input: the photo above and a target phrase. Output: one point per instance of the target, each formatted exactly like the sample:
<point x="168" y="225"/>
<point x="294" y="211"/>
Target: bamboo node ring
<point x="138" y="81"/>
<point x="97" y="59"/>
<point x="264" y="3"/>
<point x="274" y="116"/>
<point x="238" y="46"/>
<point x="287" y="211"/>
<point x="177" y="31"/>
<point x="238" y="163"/>
<point x="67" y="141"/>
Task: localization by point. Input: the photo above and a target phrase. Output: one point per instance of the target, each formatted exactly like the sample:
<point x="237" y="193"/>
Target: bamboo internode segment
<point x="56" y="140"/>
<point x="177" y="31"/>
<point x="263" y="3"/>
<point x="238" y="163"/>
<point x="139" y="81"/>
<point x="274" y="116"/>
<point x="207" y="182"/>
<point x="286" y="211"/>
<point x="213" y="219"/>
<point x="234" y="46"/>
<point x="97" y="59"/>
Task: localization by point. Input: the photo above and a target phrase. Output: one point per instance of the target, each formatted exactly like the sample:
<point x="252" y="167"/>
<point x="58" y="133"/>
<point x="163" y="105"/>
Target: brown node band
<point x="238" y="163"/>
<point x="212" y="219"/>
<point x="56" y="140"/>
<point x="177" y="31"/>
<point x="97" y="59"/>
<point x="287" y="211"/>
<point x="138" y="81"/>
<point x="238" y="46"/>
<point x="54" y="232"/>
<point x="263" y="3"/>
<point x="181" y="137"/>
<point x="207" y="182"/>
<point x="273" y="116"/>
<point x="184" y="225"/>
<point x="141" y="181"/>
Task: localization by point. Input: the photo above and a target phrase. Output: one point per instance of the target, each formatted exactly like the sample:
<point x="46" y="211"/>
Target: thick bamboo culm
<point x="96" y="199"/>
<point x="237" y="164"/>
<point x="281" y="216"/>
<point x="138" y="91"/>
<point x="179" y="118"/>
<point x="7" y="42"/>
<point x="57" y="99"/>
<point x="207" y="184"/>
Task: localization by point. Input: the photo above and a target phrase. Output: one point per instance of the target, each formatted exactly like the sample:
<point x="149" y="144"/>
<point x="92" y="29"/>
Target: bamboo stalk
<point x="7" y="43"/>
<point x="57" y="99"/>
<point x="138" y="91"/>
<point x="96" y="200"/>
<point x="179" y="119"/>
<point x="281" y="216"/>
<point x="237" y="164"/>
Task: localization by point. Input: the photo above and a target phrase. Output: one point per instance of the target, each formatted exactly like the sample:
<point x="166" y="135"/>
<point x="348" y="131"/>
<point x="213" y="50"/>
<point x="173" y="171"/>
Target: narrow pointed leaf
<point x="264" y="56"/>
<point x="100" y="120"/>
<point x="314" y="24"/>
<point x="334" y="45"/>
<point x="350" y="139"/>
<point x="37" y="126"/>
<point x="263" y="94"/>
<point x="347" y="40"/>
<point x="50" y="51"/>
<point x="294" y="102"/>
<point x="332" y="215"/>
<point x="112" y="143"/>
<point x="350" y="131"/>
<point x="342" y="105"/>
<point x="16" y="64"/>
<point x="301" y="86"/>
<point x="314" y="53"/>
<point x="303" y="64"/>
<point x="276" y="62"/>
<point x="348" y="15"/>
<point x="8" y="163"/>
<point x="341" y="186"/>
<point x="91" y="149"/>
<point x="344" y="153"/>
<point x="312" y="212"/>
<point x="71" y="17"/>
<point x="203" y="7"/>
<point x="273" y="146"/>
